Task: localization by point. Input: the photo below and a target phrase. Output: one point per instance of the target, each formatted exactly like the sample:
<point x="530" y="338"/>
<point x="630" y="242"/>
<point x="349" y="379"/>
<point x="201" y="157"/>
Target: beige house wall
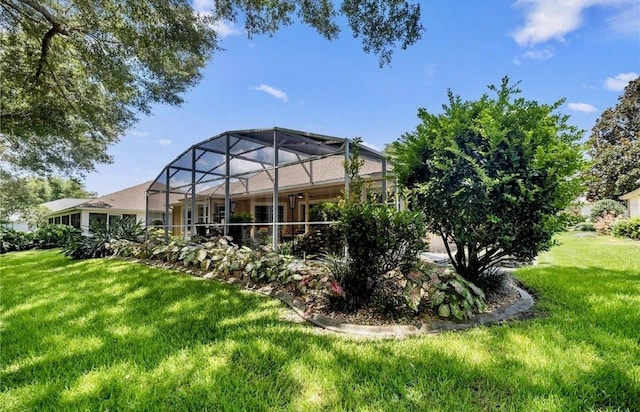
<point x="306" y="197"/>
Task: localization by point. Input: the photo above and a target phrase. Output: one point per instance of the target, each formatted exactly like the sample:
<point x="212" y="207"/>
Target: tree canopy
<point x="490" y="176"/>
<point x="24" y="194"/>
<point x="75" y="74"/>
<point x="614" y="147"/>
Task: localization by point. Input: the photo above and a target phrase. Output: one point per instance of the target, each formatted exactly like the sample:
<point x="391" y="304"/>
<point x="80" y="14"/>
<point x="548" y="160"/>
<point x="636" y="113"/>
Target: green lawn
<point x="105" y="334"/>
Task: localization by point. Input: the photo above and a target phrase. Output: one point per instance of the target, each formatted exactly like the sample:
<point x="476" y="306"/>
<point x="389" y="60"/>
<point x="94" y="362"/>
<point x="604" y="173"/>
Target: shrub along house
<point x="127" y="203"/>
<point x="275" y="175"/>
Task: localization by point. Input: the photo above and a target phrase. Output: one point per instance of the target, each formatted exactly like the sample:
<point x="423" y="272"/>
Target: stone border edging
<point x="513" y="311"/>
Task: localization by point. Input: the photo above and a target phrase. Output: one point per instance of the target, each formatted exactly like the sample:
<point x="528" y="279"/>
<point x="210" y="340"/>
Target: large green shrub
<point x="96" y="244"/>
<point x="491" y="176"/>
<point x="51" y="236"/>
<point x="240" y="234"/>
<point x="12" y="240"/>
<point x="321" y="238"/>
<point x="607" y="206"/>
<point x="378" y="239"/>
<point x="627" y="228"/>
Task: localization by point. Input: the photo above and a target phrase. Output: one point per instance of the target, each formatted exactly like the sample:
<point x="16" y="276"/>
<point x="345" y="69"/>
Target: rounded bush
<point x="607" y="206"/>
<point x="627" y="228"/>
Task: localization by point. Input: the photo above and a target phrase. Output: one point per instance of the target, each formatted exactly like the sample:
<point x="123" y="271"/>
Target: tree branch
<point x="45" y="13"/>
<point x="8" y="7"/>
<point x="56" y="28"/>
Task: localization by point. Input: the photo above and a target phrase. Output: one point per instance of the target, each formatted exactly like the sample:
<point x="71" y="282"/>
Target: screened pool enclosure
<point x="263" y="181"/>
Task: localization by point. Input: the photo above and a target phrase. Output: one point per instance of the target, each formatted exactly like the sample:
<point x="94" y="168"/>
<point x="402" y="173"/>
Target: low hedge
<point x="627" y="228"/>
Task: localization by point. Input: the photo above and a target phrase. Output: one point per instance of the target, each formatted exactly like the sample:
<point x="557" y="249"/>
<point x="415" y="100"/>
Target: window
<point x="264" y="214"/>
<point x="56" y="220"/>
<point x="96" y="217"/>
<point x="50" y="220"/>
<point x="75" y="220"/>
<point x="113" y="219"/>
<point x="65" y="220"/>
<point x="132" y="217"/>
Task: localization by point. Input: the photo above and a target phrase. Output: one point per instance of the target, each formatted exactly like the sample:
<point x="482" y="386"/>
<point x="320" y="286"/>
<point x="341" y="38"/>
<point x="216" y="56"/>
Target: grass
<point x="113" y="335"/>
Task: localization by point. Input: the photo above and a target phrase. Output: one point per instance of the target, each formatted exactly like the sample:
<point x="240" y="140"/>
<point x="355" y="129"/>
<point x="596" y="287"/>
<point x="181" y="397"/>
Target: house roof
<point x="132" y="198"/>
<point x="631" y="194"/>
<point x="63" y="204"/>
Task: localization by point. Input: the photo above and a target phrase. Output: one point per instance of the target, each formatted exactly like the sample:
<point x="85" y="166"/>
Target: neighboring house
<point x="127" y="203"/>
<point x="633" y="202"/>
<point x="16" y="222"/>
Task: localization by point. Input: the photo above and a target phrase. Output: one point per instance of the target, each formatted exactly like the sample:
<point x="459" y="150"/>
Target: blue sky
<point x="584" y="51"/>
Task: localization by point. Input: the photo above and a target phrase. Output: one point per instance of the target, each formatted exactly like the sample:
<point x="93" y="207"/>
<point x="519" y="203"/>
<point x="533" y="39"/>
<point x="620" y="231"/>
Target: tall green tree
<point x="23" y="195"/>
<point x="76" y="73"/>
<point x="614" y="147"/>
<point x="490" y="176"/>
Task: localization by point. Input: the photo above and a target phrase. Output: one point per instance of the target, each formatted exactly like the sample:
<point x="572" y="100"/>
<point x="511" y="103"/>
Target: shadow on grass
<point x="105" y="334"/>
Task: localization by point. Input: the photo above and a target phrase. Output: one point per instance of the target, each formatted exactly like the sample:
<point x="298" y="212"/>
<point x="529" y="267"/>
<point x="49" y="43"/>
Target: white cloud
<point x="164" y="142"/>
<point x="222" y="27"/>
<point x="553" y="19"/>
<point x="619" y="82"/>
<point x="582" y="107"/>
<point x="136" y="133"/>
<point x="278" y="94"/>
<point x="625" y="21"/>
<point x="541" y="54"/>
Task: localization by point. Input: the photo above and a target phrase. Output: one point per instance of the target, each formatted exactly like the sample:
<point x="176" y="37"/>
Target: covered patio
<point x="275" y="175"/>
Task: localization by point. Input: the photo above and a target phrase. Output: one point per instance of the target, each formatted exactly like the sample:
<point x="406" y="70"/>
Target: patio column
<point x="185" y="217"/>
<point x="146" y="214"/>
<point x="227" y="169"/>
<point x="166" y="207"/>
<point x="347" y="181"/>
<point x="384" y="180"/>
<point x="274" y="234"/>
<point x="193" y="191"/>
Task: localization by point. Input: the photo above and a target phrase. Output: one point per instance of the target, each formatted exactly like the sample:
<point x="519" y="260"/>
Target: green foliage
<point x="352" y="168"/>
<point x="572" y="215"/>
<point x="490" y="176"/>
<point x="102" y="235"/>
<point x="241" y="217"/>
<point x="607" y="206"/>
<point x="321" y="238"/>
<point x="12" y="240"/>
<point x="45" y="237"/>
<point x="52" y="236"/>
<point x="627" y="228"/>
<point x="614" y="147"/>
<point x="219" y="257"/>
<point x="379" y="239"/>
<point x="325" y="212"/>
<point x="240" y="234"/>
<point x="92" y="335"/>
<point x="76" y="73"/>
<point x="448" y="293"/>
<point x="585" y="227"/>
<point x="23" y="195"/>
